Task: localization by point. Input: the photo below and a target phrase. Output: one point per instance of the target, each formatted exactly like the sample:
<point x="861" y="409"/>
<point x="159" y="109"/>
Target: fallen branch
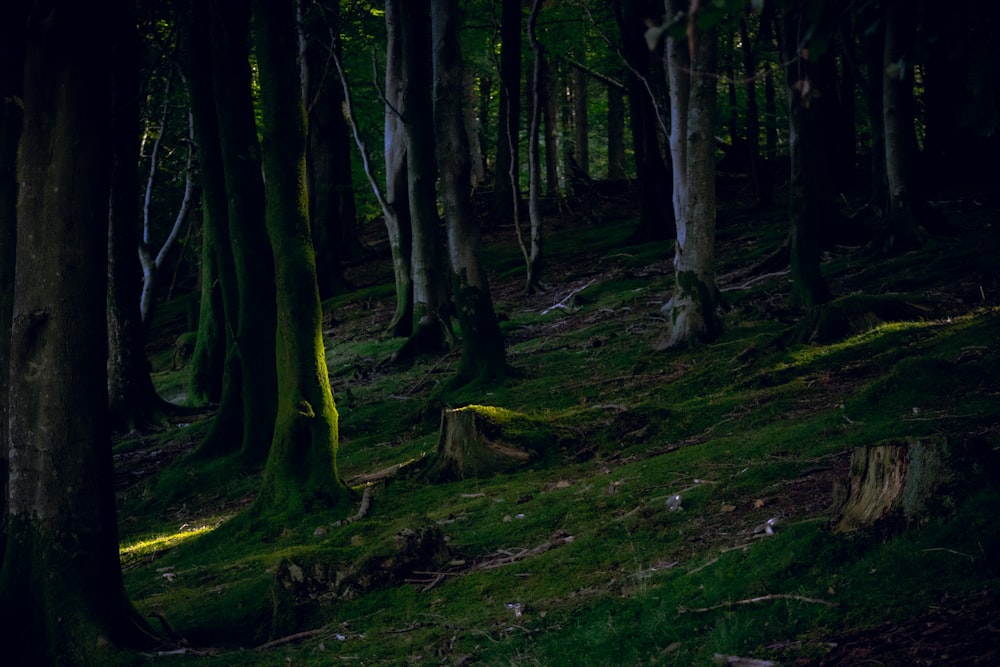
<point x="562" y="304"/>
<point x="762" y="598"/>
<point x="366" y="503"/>
<point x="509" y="558"/>
<point x="288" y="639"/>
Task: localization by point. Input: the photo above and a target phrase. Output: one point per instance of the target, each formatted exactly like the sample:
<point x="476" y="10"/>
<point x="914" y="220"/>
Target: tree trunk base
<point x="899" y="484"/>
<point x="479" y="441"/>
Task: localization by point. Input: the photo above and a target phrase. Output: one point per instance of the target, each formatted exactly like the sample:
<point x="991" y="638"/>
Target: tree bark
<point x="62" y="600"/>
<point x="133" y="400"/>
<point x="12" y="20"/>
<point x="533" y="250"/>
<point x="431" y="318"/>
<point x="301" y="473"/>
<point x="214" y="357"/>
<point x="398" y="224"/>
<point x="252" y="388"/>
<point x="691" y="311"/>
<point x="506" y="188"/>
<point x="811" y="203"/>
<point x="649" y="117"/>
<point x="483" y="356"/>
<point x="332" y="212"/>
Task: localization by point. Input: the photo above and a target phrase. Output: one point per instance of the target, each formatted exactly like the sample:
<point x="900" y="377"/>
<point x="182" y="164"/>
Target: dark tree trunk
<point x="133" y="400"/>
<point x="483" y="356"/>
<point x="332" y="212"/>
<point x="533" y="250"/>
<point x="756" y="163"/>
<point x="810" y="198"/>
<point x="398" y="224"/>
<point x="252" y="346"/>
<point x="12" y="19"/>
<point x="506" y="189"/>
<point x="550" y="112"/>
<point x="616" y="133"/>
<point x="62" y="600"/>
<point x="581" y="122"/>
<point x="301" y="473"/>
<point x="214" y="358"/>
<point x="650" y="112"/>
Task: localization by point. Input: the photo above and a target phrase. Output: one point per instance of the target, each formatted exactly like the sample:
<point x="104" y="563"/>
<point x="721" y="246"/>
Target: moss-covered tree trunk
<point x="12" y="18"/>
<point x="253" y="341"/>
<point x="431" y="318"/>
<point x="691" y="311"/>
<point x="62" y="599"/>
<point x="219" y="303"/>
<point x="482" y="343"/>
<point x="810" y="195"/>
<point x="396" y="181"/>
<point x="301" y="471"/>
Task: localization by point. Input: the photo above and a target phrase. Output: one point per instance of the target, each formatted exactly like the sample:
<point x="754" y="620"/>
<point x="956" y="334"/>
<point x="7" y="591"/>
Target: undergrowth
<point x="686" y="515"/>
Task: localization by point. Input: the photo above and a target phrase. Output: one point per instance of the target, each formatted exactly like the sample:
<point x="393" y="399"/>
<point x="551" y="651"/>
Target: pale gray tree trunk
<point x="691" y="311"/>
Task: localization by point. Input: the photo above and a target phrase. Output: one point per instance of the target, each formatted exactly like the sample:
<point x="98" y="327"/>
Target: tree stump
<point x="480" y="441"/>
<point x="897" y="484"/>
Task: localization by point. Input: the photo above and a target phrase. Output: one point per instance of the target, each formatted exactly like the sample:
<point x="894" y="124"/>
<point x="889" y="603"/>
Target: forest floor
<point x="580" y="558"/>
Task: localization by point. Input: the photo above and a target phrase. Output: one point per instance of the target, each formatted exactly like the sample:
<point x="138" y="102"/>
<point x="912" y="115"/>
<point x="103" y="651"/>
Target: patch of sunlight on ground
<point x="137" y="551"/>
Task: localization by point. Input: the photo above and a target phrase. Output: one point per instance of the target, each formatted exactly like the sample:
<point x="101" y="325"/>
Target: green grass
<point x="743" y="429"/>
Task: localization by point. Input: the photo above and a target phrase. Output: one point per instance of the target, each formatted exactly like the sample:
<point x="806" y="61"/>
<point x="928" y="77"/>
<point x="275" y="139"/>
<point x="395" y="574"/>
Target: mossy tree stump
<point x="897" y="484"/>
<point x="480" y="441"/>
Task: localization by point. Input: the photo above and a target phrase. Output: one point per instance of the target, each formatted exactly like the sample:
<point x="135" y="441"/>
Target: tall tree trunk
<point x="900" y="144"/>
<point x="757" y="164"/>
<point x="649" y="117"/>
<point x="214" y="359"/>
<point x="811" y="205"/>
<point x="12" y="20"/>
<point x="506" y="188"/>
<point x="134" y="402"/>
<point x="431" y="318"/>
<point x="581" y="121"/>
<point x="253" y="343"/>
<point x="691" y="311"/>
<point x="616" y="133"/>
<point x="483" y="356"/>
<point x="332" y="212"/>
<point x="397" y="221"/>
<point x="550" y="123"/>
<point x="301" y="473"/>
<point x="533" y="250"/>
<point x="62" y="600"/>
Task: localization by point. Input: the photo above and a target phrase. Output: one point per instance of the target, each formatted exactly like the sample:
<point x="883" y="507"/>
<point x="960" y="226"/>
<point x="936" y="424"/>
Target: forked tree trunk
<point x="62" y="600"/>
<point x="691" y="311"/>
<point x="301" y="473"/>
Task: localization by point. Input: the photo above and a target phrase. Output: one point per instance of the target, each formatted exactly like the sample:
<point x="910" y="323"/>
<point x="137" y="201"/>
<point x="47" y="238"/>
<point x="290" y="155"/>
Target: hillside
<point x="640" y="534"/>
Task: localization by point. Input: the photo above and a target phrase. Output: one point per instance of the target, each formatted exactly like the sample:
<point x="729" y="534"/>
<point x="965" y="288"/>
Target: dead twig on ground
<point x="760" y="598"/>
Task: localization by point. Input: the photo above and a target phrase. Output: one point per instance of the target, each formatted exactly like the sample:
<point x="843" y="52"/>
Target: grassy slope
<point x="747" y="428"/>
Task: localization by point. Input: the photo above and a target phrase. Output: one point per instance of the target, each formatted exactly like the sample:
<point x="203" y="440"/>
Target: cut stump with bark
<point x="480" y="441"/>
<point x="898" y="484"/>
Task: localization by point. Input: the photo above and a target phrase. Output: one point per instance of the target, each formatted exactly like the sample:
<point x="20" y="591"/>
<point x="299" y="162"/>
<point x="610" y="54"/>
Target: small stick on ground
<point x="761" y="598"/>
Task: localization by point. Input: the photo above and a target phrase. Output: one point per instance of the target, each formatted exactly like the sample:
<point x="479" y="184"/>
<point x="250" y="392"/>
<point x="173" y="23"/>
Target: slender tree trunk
<point x="649" y="116"/>
<point x="616" y="133"/>
<point x="757" y="164"/>
<point x="533" y="252"/>
<point x="810" y="199"/>
<point x="214" y="357"/>
<point x="332" y="212"/>
<point x="431" y="318"/>
<point x="691" y="311"/>
<point x="62" y="600"/>
<point x="581" y="121"/>
<point x="506" y="189"/>
<point x="483" y="356"/>
<point x="133" y="400"/>
<point x="397" y="196"/>
<point x="301" y="473"/>
<point x="550" y="115"/>
<point x="250" y="360"/>
<point x="12" y="20"/>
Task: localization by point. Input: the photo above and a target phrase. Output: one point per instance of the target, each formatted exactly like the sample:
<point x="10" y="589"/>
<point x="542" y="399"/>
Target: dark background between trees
<point x="244" y="148"/>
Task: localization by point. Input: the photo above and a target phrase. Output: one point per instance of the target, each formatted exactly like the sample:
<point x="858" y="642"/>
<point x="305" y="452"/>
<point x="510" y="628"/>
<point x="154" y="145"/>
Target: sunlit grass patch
<point x="138" y="551"/>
